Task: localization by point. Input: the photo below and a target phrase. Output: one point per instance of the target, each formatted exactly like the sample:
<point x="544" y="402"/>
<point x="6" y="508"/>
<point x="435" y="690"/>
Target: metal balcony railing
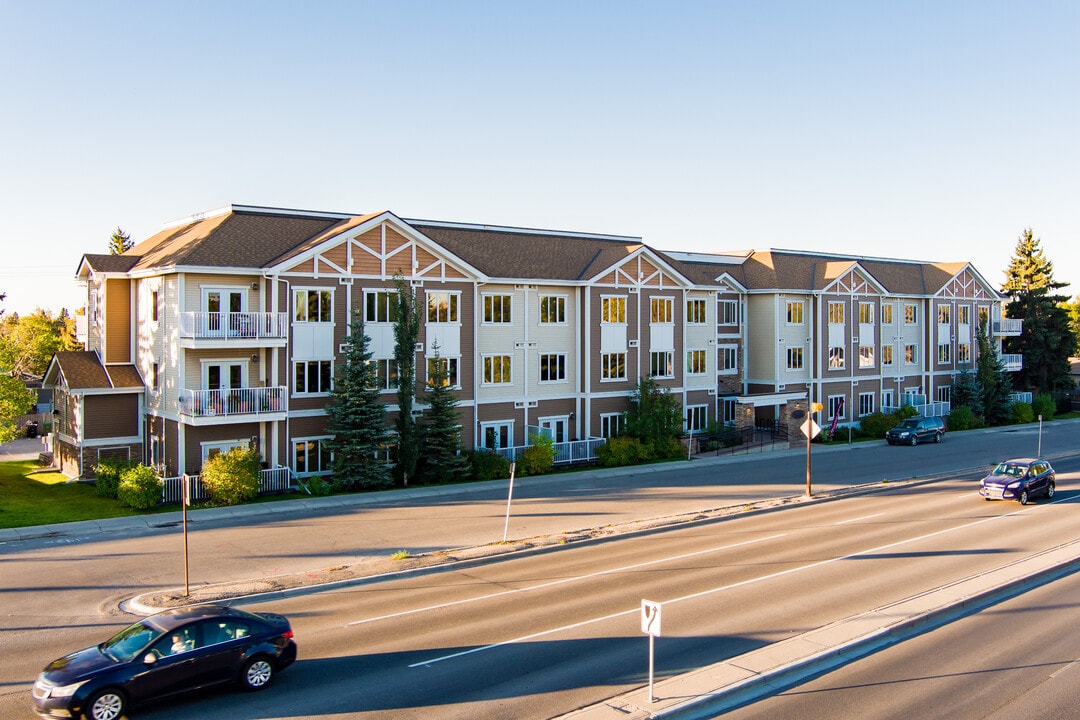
<point x="1009" y="327"/>
<point x="233" y="401"/>
<point x="233" y="325"/>
<point x="1012" y="362"/>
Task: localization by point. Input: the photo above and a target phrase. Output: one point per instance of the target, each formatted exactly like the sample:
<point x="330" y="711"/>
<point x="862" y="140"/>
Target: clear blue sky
<point x="923" y="130"/>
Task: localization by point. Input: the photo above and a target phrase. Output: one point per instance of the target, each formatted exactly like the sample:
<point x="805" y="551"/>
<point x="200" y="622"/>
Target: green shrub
<point x="1022" y="413"/>
<point x="905" y="412"/>
<point x="318" y="486"/>
<point x="139" y="488"/>
<point x="232" y="478"/>
<point x="961" y="418"/>
<point x="488" y="465"/>
<point x="666" y="447"/>
<point x="877" y="424"/>
<point x="1043" y="404"/>
<point x="538" y="458"/>
<point x="622" y="451"/>
<point x="108" y="477"/>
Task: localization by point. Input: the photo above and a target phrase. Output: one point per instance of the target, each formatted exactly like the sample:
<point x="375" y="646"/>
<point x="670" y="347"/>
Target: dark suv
<point x="1019" y="479"/>
<point x="913" y="430"/>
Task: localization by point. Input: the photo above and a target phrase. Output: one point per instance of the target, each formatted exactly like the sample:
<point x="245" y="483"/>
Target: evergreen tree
<point x="994" y="382"/>
<point x="1072" y="308"/>
<point x="967" y="393"/>
<point x="406" y="332"/>
<point x="442" y="460"/>
<point x="120" y="242"/>
<point x="655" y="415"/>
<point x="1047" y="339"/>
<point x="358" y="417"/>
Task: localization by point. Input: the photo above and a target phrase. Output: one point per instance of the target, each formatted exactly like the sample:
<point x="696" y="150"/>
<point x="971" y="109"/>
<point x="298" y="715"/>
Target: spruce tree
<point x="441" y="460"/>
<point x="994" y="382"/>
<point x="1047" y="340"/>
<point x="120" y="242"/>
<point x="966" y="392"/>
<point x="406" y="332"/>
<point x="358" y="417"/>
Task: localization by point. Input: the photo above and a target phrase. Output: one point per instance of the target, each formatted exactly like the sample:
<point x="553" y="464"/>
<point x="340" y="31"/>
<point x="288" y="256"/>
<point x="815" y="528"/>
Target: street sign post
<point x="650" y="625"/>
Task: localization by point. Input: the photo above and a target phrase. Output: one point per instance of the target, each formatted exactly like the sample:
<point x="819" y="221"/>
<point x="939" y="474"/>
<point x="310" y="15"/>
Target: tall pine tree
<point x="406" y="332"/>
<point x="1047" y="340"/>
<point x="994" y="382"/>
<point x="120" y="242"/>
<point x="441" y="460"/>
<point x="358" y="417"/>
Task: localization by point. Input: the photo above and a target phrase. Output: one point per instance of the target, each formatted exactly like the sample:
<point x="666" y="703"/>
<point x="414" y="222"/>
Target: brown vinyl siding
<point x="117" y="321"/>
<point x="109" y="416"/>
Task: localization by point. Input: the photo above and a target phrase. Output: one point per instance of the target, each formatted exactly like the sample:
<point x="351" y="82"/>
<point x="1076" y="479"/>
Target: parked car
<point x="914" y="430"/>
<point x="163" y="655"/>
<point x="1020" y="479"/>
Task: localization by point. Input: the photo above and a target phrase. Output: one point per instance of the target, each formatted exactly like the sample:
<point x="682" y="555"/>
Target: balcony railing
<point x="566" y="453"/>
<point x="233" y="325"/>
<point x="274" y="480"/>
<point x="1012" y="362"/>
<point x="253" y="401"/>
<point x="1009" y="327"/>
<point x="931" y="409"/>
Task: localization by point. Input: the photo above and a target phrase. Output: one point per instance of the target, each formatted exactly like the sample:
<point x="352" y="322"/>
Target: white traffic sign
<point x="650" y="618"/>
<point x="810" y="428"/>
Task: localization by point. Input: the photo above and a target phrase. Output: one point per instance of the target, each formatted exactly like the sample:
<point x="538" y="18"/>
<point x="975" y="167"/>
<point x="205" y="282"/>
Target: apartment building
<point x="226" y="329"/>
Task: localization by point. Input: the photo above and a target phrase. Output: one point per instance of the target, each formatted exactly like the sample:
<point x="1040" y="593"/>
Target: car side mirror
<point x="150" y="658"/>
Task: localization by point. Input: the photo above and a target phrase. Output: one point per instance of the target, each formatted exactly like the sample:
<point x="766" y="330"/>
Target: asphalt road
<point x="1019" y="660"/>
<point x="63" y="594"/>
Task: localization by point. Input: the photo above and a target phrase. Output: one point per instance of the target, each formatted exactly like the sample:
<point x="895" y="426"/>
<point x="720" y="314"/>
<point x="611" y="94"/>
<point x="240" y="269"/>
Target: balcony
<point x="234" y="405"/>
<point x="1012" y="363"/>
<point x="233" y="330"/>
<point x="1007" y="327"/>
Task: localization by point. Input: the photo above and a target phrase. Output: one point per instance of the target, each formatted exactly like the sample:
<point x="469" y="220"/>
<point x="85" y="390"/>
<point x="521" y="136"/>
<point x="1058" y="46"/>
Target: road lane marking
<point x="1071" y="665"/>
<point x="742" y="583"/>
<point x="864" y="517"/>
<point x="590" y="576"/>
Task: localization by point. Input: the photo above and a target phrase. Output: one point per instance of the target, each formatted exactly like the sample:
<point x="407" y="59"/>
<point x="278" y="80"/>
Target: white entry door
<point x="557" y="426"/>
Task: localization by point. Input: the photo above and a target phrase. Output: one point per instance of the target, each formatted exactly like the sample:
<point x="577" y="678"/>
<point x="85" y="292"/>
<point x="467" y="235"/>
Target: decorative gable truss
<point x="380" y="248"/>
<point x="643" y="269"/>
<point x="856" y="281"/>
<point x="969" y="285"/>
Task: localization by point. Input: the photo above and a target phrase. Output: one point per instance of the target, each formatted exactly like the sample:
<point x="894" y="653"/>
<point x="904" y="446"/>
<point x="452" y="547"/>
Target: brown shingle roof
<point x="111" y="263"/>
<point x="82" y="370"/>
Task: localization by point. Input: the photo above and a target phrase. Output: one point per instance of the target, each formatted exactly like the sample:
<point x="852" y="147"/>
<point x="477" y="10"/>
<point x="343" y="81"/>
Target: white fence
<point x="934" y="409"/>
<point x="275" y="480"/>
<point x="565" y="452"/>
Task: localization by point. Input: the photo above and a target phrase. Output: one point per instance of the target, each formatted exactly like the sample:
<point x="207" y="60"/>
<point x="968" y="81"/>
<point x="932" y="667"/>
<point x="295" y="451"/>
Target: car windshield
<point x="908" y="423"/>
<point x="1009" y="470"/>
<point x="127" y="643"/>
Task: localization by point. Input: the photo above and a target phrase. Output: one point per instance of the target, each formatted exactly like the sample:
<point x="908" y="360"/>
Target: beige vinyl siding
<point x="554" y="339"/>
<point x="500" y="339"/>
<point x="762" y="333"/>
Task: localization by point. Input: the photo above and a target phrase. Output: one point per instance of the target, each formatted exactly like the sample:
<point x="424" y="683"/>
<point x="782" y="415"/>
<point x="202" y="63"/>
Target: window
<point x="662" y="309"/>
<point x="552" y="310"/>
<point x="944" y="353"/>
<point x="728" y="311"/>
<point x="442" y="307"/>
<point x="613" y="309"/>
<point x="386" y="373"/>
<point x="496" y="308"/>
<point x="943" y="314"/>
<point x="836" y="313"/>
<point x="312" y="457"/>
<point x="886" y="355"/>
<point x="911" y="314"/>
<point x="448" y="365"/>
<point x="314" y="377"/>
<point x="380" y="306"/>
<point x="836" y="407"/>
<point x="695" y="312"/>
<point x="836" y="358"/>
<point x="963" y="353"/>
<point x="155" y="375"/>
<point x="696" y="417"/>
<point x="496" y="370"/>
<point x="727" y="359"/>
<point x="728" y="406"/>
<point x="911" y="354"/>
<point x="866" y="356"/>
<point x="944" y="394"/>
<point x="494" y="436"/>
<point x="886" y="314"/>
<point x="794" y="358"/>
<point x="695" y="362"/>
<point x="610" y="424"/>
<point x="154" y="306"/>
<point x="866" y="404"/>
<point x="866" y="313"/>
<point x="887" y="400"/>
<point x="313" y="306"/>
<point x="963" y="314"/>
<point x="552" y="367"/>
<point x="662" y="364"/>
<point x="613" y="366"/>
<point x="795" y="312"/>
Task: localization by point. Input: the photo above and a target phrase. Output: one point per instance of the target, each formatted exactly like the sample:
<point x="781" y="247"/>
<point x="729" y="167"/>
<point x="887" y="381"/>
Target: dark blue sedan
<point x="1020" y="479"/>
<point x="164" y="655"/>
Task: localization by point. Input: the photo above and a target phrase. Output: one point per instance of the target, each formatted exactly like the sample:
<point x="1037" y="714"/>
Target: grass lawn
<point x="42" y="498"/>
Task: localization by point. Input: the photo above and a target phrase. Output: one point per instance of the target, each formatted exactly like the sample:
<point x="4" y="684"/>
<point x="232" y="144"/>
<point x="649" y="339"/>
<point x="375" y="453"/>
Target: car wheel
<point x="914" y="440"/>
<point x="937" y="437"/>
<point x="257" y="673"/>
<point x="1050" y="489"/>
<point x="1023" y="497"/>
<point x="106" y="705"/>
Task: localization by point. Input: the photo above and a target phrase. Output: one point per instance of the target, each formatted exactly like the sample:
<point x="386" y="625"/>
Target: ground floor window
<point x="311" y="456"/>
<point x="836" y="407"/>
<point x="727" y="409"/>
<point x="866" y="404"/>
<point x="497" y="435"/>
<point x="611" y="424"/>
<point x="697" y="416"/>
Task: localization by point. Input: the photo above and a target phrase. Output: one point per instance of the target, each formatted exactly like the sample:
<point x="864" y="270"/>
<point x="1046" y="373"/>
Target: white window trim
<point x="292" y="453"/>
<point x="487" y="383"/>
<point x="720" y="368"/>
<point x="539" y="314"/>
<point x="509" y="310"/>
<point x="566" y="368"/>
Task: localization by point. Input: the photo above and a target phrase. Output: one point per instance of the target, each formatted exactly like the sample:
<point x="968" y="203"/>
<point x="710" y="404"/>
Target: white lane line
<point x="575" y="578"/>
<point x="1071" y="665"/>
<point x="859" y="519"/>
<point x="703" y="593"/>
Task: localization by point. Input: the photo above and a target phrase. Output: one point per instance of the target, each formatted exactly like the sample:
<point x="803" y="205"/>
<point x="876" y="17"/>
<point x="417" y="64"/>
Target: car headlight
<point x="1014" y="485"/>
<point x="63" y="691"/>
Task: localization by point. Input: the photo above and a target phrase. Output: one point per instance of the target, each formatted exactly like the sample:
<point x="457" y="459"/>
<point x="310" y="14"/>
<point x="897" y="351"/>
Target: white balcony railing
<point x="1012" y="362"/>
<point x="932" y="409"/>
<point x="273" y="480"/>
<point x="233" y="325"/>
<point x="233" y="401"/>
<point x="1010" y="327"/>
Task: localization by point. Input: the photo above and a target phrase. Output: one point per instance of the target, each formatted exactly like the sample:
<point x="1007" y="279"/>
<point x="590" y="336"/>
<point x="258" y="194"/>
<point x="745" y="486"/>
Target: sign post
<point x="185" y="500"/>
<point x="810" y="430"/>
<point x="509" y="497"/>
<point x="650" y="625"/>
